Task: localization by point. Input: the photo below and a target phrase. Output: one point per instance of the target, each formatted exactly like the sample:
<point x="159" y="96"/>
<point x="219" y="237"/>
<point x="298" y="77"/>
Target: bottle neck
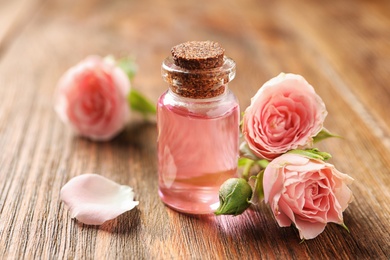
<point x="199" y="91"/>
<point x="218" y="97"/>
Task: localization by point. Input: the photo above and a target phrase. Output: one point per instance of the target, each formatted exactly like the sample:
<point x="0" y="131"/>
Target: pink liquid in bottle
<point x="197" y="150"/>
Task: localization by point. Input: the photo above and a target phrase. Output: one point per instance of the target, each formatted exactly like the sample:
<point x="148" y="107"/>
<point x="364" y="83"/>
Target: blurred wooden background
<point x="341" y="47"/>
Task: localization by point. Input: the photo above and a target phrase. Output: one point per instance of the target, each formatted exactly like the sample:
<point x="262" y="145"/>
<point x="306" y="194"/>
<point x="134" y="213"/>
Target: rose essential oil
<point x="198" y="128"/>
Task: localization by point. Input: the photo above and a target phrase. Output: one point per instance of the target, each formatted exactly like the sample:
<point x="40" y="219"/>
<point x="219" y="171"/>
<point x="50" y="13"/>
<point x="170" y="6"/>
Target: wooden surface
<point x="341" y="47"/>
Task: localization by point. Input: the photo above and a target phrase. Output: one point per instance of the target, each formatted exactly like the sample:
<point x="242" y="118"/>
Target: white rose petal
<point x="93" y="199"/>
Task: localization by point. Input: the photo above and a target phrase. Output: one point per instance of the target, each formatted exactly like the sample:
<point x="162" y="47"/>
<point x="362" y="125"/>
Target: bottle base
<point x="184" y="201"/>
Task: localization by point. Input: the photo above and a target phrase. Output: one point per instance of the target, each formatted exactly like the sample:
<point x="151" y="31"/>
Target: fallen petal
<point x="93" y="199"/>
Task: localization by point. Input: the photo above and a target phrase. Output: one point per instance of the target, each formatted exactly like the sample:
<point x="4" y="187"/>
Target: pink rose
<point x="92" y="98"/>
<point x="307" y="192"/>
<point x="286" y="113"/>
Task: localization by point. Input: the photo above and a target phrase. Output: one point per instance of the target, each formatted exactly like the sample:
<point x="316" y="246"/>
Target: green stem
<point x="247" y="168"/>
<point x="263" y="163"/>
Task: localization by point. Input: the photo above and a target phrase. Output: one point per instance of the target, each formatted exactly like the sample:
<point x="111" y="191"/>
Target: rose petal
<point x="309" y="230"/>
<point x="93" y="199"/>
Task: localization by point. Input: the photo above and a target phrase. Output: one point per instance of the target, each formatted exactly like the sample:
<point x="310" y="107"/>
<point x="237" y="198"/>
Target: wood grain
<point x="341" y="47"/>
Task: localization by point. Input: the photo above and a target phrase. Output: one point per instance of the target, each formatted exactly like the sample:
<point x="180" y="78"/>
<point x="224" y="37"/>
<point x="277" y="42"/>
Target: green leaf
<point x="345" y="227"/>
<point x="324" y="134"/>
<point x="242" y="161"/>
<point x="140" y="104"/>
<point x="258" y="189"/>
<point x="312" y="154"/>
<point x="129" y="66"/>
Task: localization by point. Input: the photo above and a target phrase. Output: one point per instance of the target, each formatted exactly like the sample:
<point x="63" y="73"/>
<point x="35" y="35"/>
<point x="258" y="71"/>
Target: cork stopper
<point x="198" y="69"/>
<point x="198" y="55"/>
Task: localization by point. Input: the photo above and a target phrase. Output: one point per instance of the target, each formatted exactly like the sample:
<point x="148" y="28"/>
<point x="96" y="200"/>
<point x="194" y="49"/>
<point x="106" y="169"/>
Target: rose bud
<point x="234" y="196"/>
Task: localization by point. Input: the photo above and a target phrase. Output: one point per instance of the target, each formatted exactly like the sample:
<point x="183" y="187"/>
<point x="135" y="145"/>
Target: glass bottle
<point x="198" y="132"/>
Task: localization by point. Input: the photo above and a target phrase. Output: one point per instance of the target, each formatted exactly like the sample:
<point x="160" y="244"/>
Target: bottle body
<point x="197" y="149"/>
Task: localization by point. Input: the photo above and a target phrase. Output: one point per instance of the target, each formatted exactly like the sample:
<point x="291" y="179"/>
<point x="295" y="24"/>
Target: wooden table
<point x="341" y="47"/>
